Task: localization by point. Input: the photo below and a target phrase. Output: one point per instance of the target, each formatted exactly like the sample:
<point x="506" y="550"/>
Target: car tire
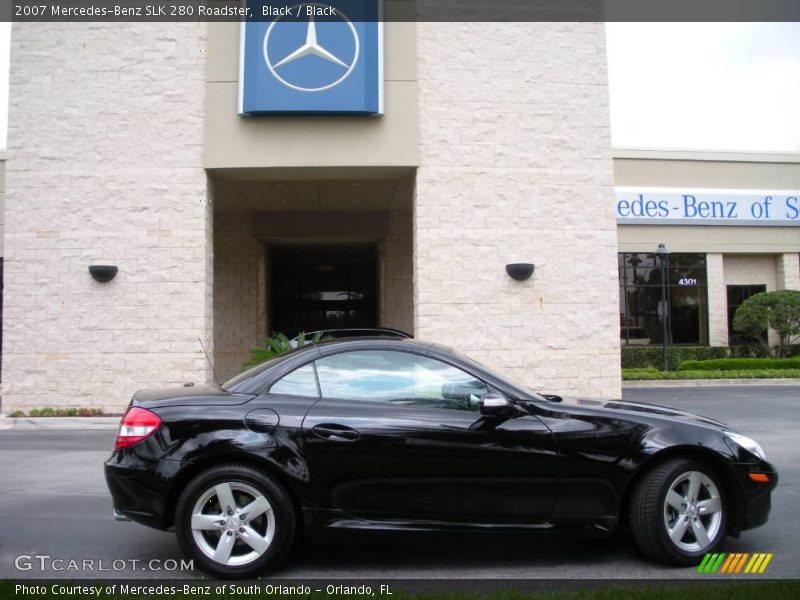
<point x="678" y="512"/>
<point x="234" y="521"/>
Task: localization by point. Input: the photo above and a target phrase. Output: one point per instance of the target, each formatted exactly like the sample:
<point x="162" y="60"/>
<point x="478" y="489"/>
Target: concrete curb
<point x="657" y="383"/>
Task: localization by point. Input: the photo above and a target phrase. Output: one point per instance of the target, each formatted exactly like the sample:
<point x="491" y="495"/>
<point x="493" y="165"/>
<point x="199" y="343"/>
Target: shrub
<point x="17" y="414"/>
<point x="651" y="357"/>
<point x="638" y="358"/>
<point x="655" y="374"/>
<point x="275" y="346"/>
<point x="60" y="412"/>
<point x="738" y="364"/>
<point x="779" y="311"/>
<point x="748" y="351"/>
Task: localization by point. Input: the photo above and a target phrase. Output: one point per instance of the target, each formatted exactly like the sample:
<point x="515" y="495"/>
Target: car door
<point x="399" y="435"/>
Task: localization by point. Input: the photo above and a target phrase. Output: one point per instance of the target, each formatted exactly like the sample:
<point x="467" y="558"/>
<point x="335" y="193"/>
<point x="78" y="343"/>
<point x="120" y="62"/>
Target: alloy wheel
<point x="232" y="523"/>
<point x="693" y="511"/>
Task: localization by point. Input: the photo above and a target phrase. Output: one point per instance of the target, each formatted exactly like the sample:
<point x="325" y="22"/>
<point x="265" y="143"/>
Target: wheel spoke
<point x="694" y="485"/>
<point x="676" y="533"/>
<point x="225" y="497"/>
<point x="256" y="508"/>
<point x="254" y="540"/>
<point x="206" y="522"/>
<point x="675" y="500"/>
<point x="700" y="533"/>
<point x="710" y="506"/>
<point x="224" y="548"/>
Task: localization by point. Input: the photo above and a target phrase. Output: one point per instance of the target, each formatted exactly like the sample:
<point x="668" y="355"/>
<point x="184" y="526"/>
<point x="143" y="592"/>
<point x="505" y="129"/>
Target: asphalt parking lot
<point x="54" y="502"/>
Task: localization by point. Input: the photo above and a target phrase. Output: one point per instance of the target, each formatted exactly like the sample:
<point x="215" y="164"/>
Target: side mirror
<point x="495" y="405"/>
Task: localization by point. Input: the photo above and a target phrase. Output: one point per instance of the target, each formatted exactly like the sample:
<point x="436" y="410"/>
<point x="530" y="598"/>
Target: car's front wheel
<point x="678" y="512"/>
<point x="235" y="521"/>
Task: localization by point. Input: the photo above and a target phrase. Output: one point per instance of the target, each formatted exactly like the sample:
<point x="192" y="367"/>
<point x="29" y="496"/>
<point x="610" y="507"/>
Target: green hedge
<point x="655" y="374"/>
<point x="651" y="357"/>
<point x="739" y="364"/>
<point x="59" y="412"/>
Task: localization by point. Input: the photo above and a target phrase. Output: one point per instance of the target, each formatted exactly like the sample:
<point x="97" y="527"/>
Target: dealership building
<point x="304" y="175"/>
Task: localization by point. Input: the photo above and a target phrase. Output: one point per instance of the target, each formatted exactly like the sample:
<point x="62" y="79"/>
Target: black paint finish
<point x="356" y="467"/>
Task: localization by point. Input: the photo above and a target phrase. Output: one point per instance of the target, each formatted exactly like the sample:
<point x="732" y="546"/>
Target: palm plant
<point x="276" y="345"/>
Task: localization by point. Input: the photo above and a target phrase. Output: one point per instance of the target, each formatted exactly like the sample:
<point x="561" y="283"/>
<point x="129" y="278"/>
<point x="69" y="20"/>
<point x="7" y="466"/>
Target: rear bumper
<point x="138" y="488"/>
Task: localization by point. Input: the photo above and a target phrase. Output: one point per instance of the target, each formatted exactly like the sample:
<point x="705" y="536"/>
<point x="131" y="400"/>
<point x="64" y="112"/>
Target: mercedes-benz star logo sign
<point x="341" y="56"/>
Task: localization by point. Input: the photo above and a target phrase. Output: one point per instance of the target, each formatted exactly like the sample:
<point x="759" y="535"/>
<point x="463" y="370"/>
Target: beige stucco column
<point x="717" y="301"/>
<point x="788" y="271"/>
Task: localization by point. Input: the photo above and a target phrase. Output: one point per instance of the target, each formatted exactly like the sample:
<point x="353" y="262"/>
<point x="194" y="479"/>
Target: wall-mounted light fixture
<point x="520" y="271"/>
<point x="103" y="273"/>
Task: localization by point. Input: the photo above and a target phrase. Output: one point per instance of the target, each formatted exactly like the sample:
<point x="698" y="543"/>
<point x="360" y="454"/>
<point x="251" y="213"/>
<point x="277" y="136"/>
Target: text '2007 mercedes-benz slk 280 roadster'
<point x="380" y="437"/>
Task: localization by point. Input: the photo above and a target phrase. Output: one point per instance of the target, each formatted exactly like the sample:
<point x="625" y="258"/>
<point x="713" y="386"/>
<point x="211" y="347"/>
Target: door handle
<point x="335" y="432"/>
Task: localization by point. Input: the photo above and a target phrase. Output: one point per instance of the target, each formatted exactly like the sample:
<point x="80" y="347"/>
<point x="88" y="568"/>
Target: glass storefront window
<point x="641" y="307"/>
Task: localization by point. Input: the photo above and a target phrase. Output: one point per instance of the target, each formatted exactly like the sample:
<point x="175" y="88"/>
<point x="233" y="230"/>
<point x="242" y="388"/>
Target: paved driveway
<point x="54" y="502"/>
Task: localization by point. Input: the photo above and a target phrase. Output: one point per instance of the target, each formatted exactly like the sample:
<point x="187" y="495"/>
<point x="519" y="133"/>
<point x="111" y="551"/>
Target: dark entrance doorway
<point x="322" y="287"/>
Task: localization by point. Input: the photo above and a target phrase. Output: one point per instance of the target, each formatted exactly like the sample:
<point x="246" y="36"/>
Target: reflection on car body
<point x="382" y="436"/>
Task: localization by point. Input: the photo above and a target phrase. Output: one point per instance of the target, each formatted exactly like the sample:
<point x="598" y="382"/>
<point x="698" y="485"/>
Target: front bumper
<point x="755" y="500"/>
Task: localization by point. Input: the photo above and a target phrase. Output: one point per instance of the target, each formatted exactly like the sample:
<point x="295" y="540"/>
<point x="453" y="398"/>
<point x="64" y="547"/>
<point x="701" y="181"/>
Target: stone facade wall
<point x="239" y="309"/>
<point x="397" y="296"/>
<point x="105" y="167"/>
<point x="516" y="166"/>
<point x="2" y="203"/>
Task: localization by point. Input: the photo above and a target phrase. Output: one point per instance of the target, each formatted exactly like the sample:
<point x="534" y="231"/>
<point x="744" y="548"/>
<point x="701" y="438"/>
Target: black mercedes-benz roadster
<point x="380" y="436"/>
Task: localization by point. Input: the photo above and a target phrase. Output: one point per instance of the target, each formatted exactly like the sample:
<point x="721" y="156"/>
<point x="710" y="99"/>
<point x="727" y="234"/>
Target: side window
<point x="398" y="378"/>
<point x="300" y="382"/>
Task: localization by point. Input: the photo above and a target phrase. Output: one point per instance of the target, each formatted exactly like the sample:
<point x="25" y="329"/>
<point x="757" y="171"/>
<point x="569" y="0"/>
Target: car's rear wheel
<point x="678" y="512"/>
<point x="235" y="521"/>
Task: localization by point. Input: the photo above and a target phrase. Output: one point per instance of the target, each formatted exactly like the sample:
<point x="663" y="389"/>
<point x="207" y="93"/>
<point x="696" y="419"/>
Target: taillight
<point x="137" y="424"/>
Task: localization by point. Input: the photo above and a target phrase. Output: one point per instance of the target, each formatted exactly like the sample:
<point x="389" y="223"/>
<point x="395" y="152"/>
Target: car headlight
<point x="747" y="443"/>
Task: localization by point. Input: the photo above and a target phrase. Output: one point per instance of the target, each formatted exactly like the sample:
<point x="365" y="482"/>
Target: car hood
<point x="191" y="395"/>
<point x="638" y="408"/>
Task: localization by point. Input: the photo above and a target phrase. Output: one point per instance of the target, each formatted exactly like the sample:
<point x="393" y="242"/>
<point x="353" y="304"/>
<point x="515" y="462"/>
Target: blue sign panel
<point x="310" y="58"/>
